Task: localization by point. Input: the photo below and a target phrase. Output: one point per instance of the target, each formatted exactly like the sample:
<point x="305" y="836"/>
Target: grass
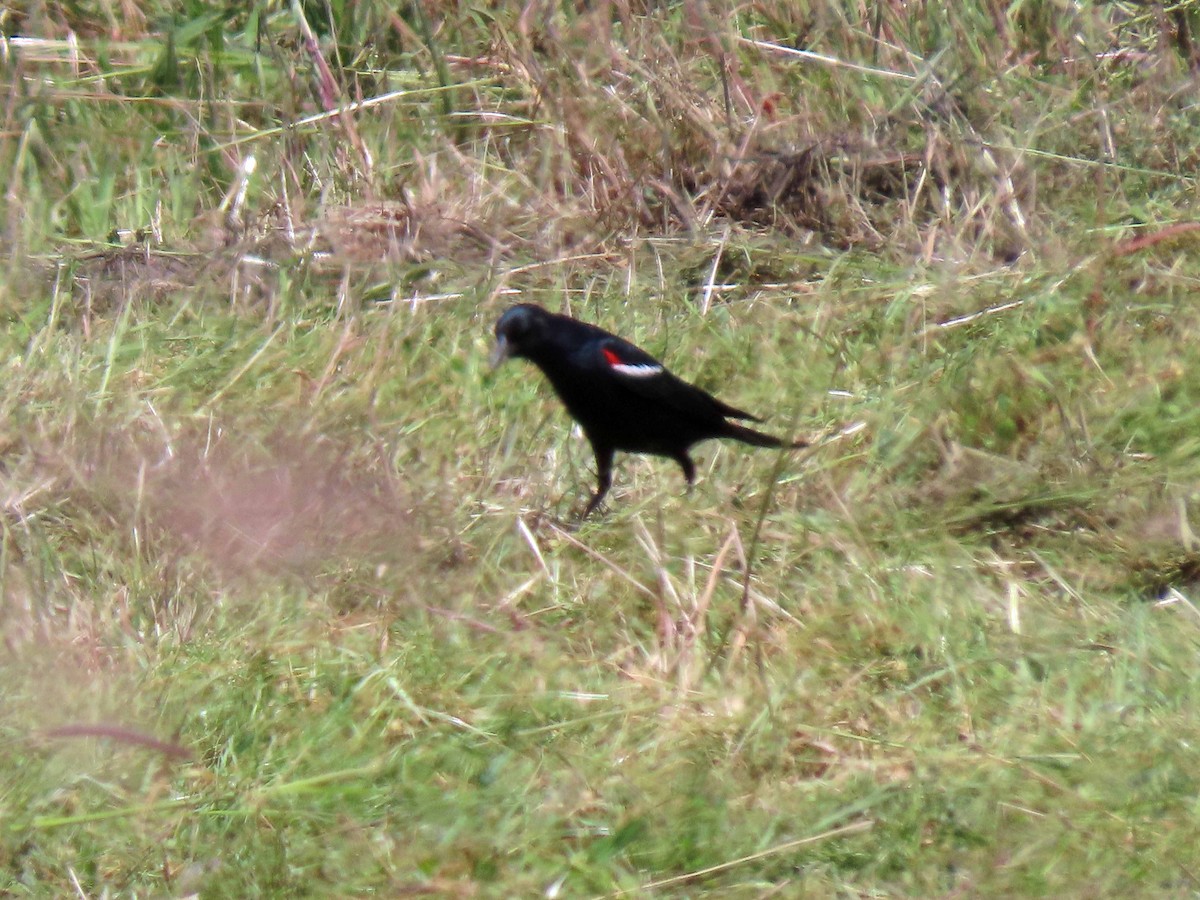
<point x="290" y="591"/>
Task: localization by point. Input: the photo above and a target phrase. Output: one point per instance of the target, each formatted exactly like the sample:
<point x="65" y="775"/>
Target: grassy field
<point x="293" y="598"/>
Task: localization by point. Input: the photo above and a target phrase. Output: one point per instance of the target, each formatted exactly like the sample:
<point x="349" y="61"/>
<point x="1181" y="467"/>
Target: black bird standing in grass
<point x="623" y="397"/>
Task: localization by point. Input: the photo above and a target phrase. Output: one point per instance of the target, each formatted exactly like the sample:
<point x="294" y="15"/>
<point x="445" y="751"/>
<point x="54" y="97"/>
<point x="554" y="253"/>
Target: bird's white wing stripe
<point x="642" y="370"/>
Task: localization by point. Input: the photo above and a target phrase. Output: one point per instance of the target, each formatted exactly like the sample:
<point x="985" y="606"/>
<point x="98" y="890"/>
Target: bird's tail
<point x="757" y="438"/>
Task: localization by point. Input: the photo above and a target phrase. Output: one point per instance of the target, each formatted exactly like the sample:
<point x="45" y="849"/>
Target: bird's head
<point x="519" y="332"/>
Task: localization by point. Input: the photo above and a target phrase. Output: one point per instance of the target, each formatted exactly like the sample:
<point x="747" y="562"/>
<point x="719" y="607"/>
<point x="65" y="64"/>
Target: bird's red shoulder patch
<point x="633" y="369"/>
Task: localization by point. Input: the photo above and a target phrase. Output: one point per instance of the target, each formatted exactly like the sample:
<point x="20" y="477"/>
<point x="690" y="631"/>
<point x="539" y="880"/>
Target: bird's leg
<point x="689" y="468"/>
<point x="604" y="464"/>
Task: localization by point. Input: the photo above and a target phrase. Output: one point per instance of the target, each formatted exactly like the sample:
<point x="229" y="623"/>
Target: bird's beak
<point x="500" y="352"/>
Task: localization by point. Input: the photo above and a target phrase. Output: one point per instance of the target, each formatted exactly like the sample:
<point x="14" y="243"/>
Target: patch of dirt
<point x="134" y="272"/>
<point x="244" y="262"/>
<point x="396" y="231"/>
<point x="823" y="188"/>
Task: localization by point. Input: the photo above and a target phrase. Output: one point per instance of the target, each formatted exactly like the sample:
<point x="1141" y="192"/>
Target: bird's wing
<point x="641" y="373"/>
<point x="626" y="361"/>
